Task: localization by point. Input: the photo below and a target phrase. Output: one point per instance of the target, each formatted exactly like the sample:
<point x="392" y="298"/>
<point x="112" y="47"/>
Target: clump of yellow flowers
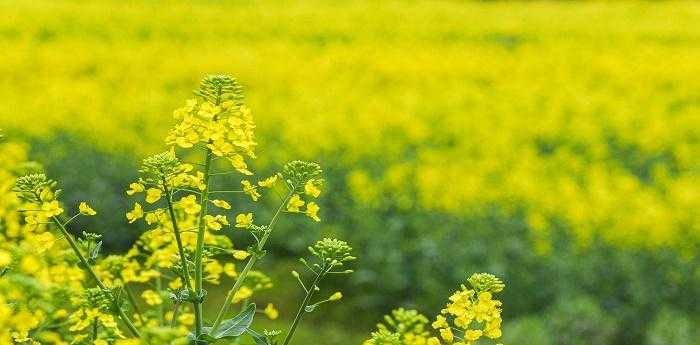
<point x="155" y="293"/>
<point x="471" y="314"/>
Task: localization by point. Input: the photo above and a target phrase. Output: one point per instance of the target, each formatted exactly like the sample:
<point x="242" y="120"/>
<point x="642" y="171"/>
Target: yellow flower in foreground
<point x="190" y="205"/>
<point x="336" y="296"/>
<point x="311" y="189"/>
<point x="243" y="293"/>
<point x="447" y="335"/>
<point x="240" y="254"/>
<point x="52" y="208"/>
<point x="312" y="211"/>
<point x="5" y="258"/>
<point x="294" y="203"/>
<point x="244" y="220"/>
<point x="153" y="195"/>
<point x="249" y="189"/>
<point x="86" y="209"/>
<point x="472" y="335"/>
<point x="271" y="312"/>
<point x="215" y="222"/>
<point x="268" y="182"/>
<point x="135" y="188"/>
<point x="135" y="214"/>
<point x="151" y="297"/>
<point x="222" y="204"/>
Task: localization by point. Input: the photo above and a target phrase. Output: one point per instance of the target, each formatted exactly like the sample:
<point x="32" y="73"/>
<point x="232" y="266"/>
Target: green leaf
<point x="95" y="252"/>
<point x="235" y="326"/>
<point x="259" y="338"/>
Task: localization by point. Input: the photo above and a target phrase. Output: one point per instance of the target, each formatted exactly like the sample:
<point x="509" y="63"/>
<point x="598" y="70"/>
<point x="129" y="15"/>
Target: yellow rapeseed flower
<point x="295" y="203"/>
<point x="310" y="188"/>
<point x="271" y="312"/>
<point x="312" y="211"/>
<point x="268" y="182"/>
<point x="51" y="208"/>
<point x="135" y="188"/>
<point x="151" y="297"/>
<point x="222" y="204"/>
<point x="135" y="214"/>
<point x="86" y="209"/>
<point x="153" y="195"/>
<point x="240" y="254"/>
<point x="244" y="220"/>
<point x="249" y="189"/>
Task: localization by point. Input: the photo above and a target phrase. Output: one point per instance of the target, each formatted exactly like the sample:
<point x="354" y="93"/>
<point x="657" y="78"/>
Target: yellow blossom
<point x="51" y="208"/>
<point x="244" y="220"/>
<point x="249" y="189"/>
<point x="153" y="195"/>
<point x="294" y="203"/>
<point x="312" y="211"/>
<point x="240" y="254"/>
<point x="222" y="204"/>
<point x="86" y="209"/>
<point x="151" y="297"/>
<point x="135" y="188"/>
<point x="135" y="214"/>
<point x="271" y="312"/>
<point x="268" y="182"/>
<point x="5" y="258"/>
<point x="190" y="204"/>
<point x="310" y="188"/>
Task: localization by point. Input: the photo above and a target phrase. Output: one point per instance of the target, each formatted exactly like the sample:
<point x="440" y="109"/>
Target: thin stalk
<point x="178" y="238"/>
<point x="161" y="306"/>
<point x="94" y="329"/>
<point x="201" y="228"/>
<point x="302" y="307"/>
<point x="249" y="265"/>
<point x="176" y="311"/>
<point x="86" y="265"/>
<point x="132" y="300"/>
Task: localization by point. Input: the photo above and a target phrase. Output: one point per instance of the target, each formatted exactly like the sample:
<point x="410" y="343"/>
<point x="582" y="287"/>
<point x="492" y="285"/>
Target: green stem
<point x="176" y="311"/>
<point x="302" y="307"/>
<point x="249" y="265"/>
<point x="94" y="329"/>
<point x="161" y="306"/>
<point x="201" y="229"/>
<point x="178" y="239"/>
<point x="132" y="300"/>
<point x="86" y="265"/>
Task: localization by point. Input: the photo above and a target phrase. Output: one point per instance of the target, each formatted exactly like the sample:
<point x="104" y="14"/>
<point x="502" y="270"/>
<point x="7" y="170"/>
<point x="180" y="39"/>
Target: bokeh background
<point x="555" y="144"/>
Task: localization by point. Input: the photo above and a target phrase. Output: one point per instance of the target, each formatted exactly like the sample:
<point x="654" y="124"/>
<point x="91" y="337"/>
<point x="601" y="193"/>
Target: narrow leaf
<point x="235" y="326"/>
<point x="259" y="338"/>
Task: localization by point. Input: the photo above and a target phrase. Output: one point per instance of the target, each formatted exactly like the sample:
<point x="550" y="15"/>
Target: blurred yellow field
<point x="584" y="112"/>
<point x="573" y="117"/>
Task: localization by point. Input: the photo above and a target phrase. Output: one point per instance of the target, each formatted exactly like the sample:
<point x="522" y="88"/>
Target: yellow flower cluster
<point x="311" y="189"/>
<point x="470" y="315"/>
<point x="224" y="125"/>
<point x="36" y="268"/>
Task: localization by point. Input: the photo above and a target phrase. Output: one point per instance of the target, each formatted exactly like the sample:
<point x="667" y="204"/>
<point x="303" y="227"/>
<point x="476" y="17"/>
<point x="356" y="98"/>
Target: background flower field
<point x="556" y="145"/>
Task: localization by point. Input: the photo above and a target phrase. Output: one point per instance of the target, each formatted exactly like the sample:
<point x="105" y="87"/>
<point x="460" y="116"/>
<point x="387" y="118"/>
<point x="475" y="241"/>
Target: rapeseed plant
<point x="471" y="314"/>
<point x="186" y="244"/>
